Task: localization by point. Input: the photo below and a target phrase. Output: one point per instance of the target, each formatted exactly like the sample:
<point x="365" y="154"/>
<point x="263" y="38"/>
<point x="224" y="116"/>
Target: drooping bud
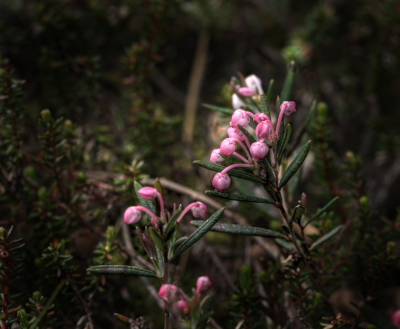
<point x="262" y="117"/>
<point x="216" y="157"/>
<point x="235" y="132"/>
<point x="228" y="146"/>
<point x="200" y="210"/>
<point x="239" y="117"/>
<point x="264" y="130"/>
<point x="396" y="318"/>
<point x="182" y="306"/>
<point x="203" y="283"/>
<point x="288" y="108"/>
<point x="246" y="92"/>
<point x="148" y="193"/>
<point x="221" y="181"/>
<point x="254" y="83"/>
<point x="258" y="150"/>
<point x="237" y="103"/>
<point x="168" y="292"/>
<point x="132" y="215"/>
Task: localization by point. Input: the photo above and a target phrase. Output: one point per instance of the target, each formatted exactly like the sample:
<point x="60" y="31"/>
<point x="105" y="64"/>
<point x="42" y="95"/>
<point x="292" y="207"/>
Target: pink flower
<point x="148" y="193"/>
<point x="262" y="117"/>
<point x="203" y="283"/>
<point x="288" y="108"/>
<point x="246" y="92"/>
<point x="228" y="146"/>
<point x="265" y="130"/>
<point x="258" y="150"/>
<point x="396" y="318"/>
<point x="168" y="292"/>
<point x="235" y="132"/>
<point x="237" y="103"/>
<point x="199" y="210"/>
<point x="254" y="83"/>
<point x="239" y="117"/>
<point x="221" y="181"/>
<point x="132" y="215"/>
<point x="182" y="306"/>
<point x="216" y="157"/>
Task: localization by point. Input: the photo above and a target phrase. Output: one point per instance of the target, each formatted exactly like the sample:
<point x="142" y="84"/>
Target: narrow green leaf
<point x="376" y="318"/>
<point x="247" y="134"/>
<point x="282" y="126"/>
<point x="288" y="85"/>
<point x="224" y="110"/>
<point x="239" y="197"/>
<point x="326" y="237"/>
<point x="157" y="238"/>
<point x="322" y="210"/>
<point x="264" y="105"/>
<point x="270" y="90"/>
<point x="295" y="164"/>
<point x="120" y="270"/>
<point x="171" y="223"/>
<point x="286" y="138"/>
<point x="297" y="214"/>
<point x="200" y="232"/>
<point x="270" y="191"/>
<point x="311" y="115"/>
<point x="241" y="230"/>
<point x="233" y="172"/>
<point x="143" y="202"/>
<point x="176" y="244"/>
<point x="285" y="244"/>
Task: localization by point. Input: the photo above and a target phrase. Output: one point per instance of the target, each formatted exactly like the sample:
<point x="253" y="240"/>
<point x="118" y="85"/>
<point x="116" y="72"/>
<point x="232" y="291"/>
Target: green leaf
<point x="200" y="232"/>
<point x="239" y="197"/>
<point x="171" y="223"/>
<point x="376" y="318"/>
<point x="224" y="110"/>
<point x="247" y="134"/>
<point x="157" y="238"/>
<point x="326" y="237"/>
<point x="269" y="90"/>
<point x="176" y="244"/>
<point x="288" y="85"/>
<point x="322" y="210"/>
<point x="233" y="172"/>
<point x="286" y="138"/>
<point x="295" y="164"/>
<point x="297" y="214"/>
<point x="285" y="244"/>
<point x="270" y="191"/>
<point x="120" y="270"/>
<point x="311" y="114"/>
<point x="241" y="230"/>
<point x="143" y="202"/>
<point x="264" y="105"/>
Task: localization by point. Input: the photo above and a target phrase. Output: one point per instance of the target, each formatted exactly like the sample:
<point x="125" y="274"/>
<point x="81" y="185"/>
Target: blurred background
<point x="129" y="76"/>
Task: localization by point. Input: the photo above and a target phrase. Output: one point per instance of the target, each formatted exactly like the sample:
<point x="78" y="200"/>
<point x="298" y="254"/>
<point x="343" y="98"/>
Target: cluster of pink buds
<point x="171" y="295"/>
<point x="266" y="132"/>
<point x="133" y="214"/>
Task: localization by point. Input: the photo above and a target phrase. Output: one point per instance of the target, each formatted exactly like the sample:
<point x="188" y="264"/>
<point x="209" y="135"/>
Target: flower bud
<point x="254" y="83"/>
<point x="288" y="107"/>
<point x="264" y="130"/>
<point x="203" y="283"/>
<point x="262" y="117"/>
<point x="168" y="292"/>
<point x="182" y="306"/>
<point x="148" y="193"/>
<point x="228" y="146"/>
<point x="200" y="210"/>
<point x="246" y="92"/>
<point x="132" y="215"/>
<point x="239" y="117"/>
<point x="237" y="103"/>
<point x="396" y="318"/>
<point x="258" y="150"/>
<point x="235" y="132"/>
<point x="221" y="181"/>
<point x="216" y="157"/>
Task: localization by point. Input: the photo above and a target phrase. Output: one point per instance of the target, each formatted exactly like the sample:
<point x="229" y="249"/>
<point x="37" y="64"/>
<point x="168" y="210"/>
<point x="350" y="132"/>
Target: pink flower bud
<point x="246" y="92"/>
<point x="262" y="117"/>
<point x="264" y="130"/>
<point x="396" y="318"/>
<point x="258" y="150"/>
<point x="221" y="181"/>
<point x="182" y="306"/>
<point x="237" y="103"/>
<point x="168" y="292"/>
<point x="216" y="157"/>
<point x="202" y="284"/>
<point x="228" y="146"/>
<point x="254" y="83"/>
<point x="200" y="210"/>
<point x="288" y="108"/>
<point x="132" y="215"/>
<point x="235" y="132"/>
<point x="239" y="117"/>
<point x="148" y="193"/>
